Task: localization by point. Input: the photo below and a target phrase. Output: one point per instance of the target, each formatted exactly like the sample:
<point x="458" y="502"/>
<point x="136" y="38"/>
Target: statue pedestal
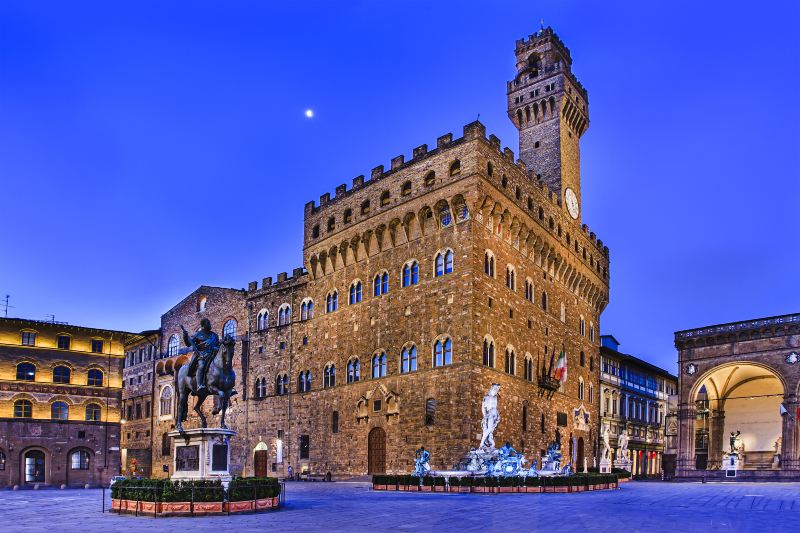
<point x="605" y="466"/>
<point x="201" y="453"/>
<point x="623" y="463"/>
<point x="730" y="461"/>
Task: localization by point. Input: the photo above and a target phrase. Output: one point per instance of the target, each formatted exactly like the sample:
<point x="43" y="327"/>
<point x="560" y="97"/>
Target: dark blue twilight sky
<point x="113" y="113"/>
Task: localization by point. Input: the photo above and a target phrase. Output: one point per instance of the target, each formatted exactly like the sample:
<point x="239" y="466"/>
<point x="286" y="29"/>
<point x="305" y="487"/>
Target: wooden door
<point x="261" y="463"/>
<point x="581" y="455"/>
<point x="376" y="454"/>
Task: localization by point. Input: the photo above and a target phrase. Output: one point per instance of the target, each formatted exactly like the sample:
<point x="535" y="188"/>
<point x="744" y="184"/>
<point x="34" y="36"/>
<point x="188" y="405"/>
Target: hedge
<point x="574" y="480"/>
<point x="165" y="490"/>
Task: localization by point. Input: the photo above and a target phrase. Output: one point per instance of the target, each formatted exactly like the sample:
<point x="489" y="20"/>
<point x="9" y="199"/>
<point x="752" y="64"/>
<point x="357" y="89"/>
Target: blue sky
<point x="115" y="114"/>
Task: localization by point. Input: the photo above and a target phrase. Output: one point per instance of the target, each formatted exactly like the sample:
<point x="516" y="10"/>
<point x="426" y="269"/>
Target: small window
<point x="28" y="338"/>
<point x="410" y="274"/>
<point x="331" y="224"/>
<point x="524" y="416"/>
<point x="284" y="315"/>
<point x="379" y="365"/>
<point x="408" y="359"/>
<point x="406" y="189"/>
<point x="332" y="302"/>
<point x="79" y="460"/>
<point x="528" y="368"/>
<point x="201" y="304"/>
<point x="305" y="447"/>
<point x="59" y="411"/>
<point x="583" y="359"/>
<point x="365" y="207"/>
<point x="61" y="374"/>
<point x="561" y="419"/>
<point x="335" y="422"/>
<point x="385" y="198"/>
<point x="262" y="320"/>
<point x="504" y="181"/>
<point x="307" y="310"/>
<point x="430" y="178"/>
<point x="541" y="214"/>
<point x="488" y="263"/>
<point x="64" y="342"/>
<point x="355" y="292"/>
<point x="536" y="144"/>
<point x="348" y="216"/>
<point x="490" y="169"/>
<point x="380" y="284"/>
<point x="455" y="168"/>
<point x="93" y="412"/>
<point x="315" y="232"/>
<point x="26" y="372"/>
<point x="2" y="461"/>
<point x="329" y="376"/>
<point x="23" y="409"/>
<point x="430" y="411"/>
<point x="488" y="353"/>
<point x="511" y="362"/>
<point x="511" y="278"/>
<point x="377" y="405"/>
<point x="95" y="378"/>
<point x="97" y="345"/>
<point x="353" y="370"/>
<point x="544" y="301"/>
<point x="443" y="352"/>
<point x="443" y="263"/>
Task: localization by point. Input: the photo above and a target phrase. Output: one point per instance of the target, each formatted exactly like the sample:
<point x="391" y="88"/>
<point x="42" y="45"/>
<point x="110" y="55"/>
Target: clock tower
<point x="550" y="108"/>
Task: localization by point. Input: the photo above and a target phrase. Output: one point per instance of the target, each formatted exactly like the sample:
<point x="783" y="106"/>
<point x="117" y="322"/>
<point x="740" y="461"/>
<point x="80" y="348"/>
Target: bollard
<point x="104" y="499"/>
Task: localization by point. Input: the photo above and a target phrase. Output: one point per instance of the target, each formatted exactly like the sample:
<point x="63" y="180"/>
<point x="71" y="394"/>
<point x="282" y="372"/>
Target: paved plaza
<point x="648" y="507"/>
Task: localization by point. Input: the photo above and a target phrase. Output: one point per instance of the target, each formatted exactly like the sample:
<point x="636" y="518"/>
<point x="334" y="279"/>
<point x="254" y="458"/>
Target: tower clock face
<point x="572" y="202"/>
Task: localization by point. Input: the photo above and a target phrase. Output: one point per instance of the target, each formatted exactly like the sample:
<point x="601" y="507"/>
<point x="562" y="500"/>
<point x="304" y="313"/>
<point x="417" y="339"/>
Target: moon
<point x="309" y="113"/>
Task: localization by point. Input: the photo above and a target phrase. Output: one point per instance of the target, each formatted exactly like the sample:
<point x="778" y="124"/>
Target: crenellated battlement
<point x="282" y="280"/>
<point x="540" y="37"/>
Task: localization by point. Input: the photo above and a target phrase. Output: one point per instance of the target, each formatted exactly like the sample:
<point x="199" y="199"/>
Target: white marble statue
<point x="622" y="441"/>
<point x="778" y="445"/>
<point x="606" y="445"/>
<point x="739" y="443"/>
<point x="491" y="417"/>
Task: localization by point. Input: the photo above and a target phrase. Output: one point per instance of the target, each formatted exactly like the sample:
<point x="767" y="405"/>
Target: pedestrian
<point x="290" y="472"/>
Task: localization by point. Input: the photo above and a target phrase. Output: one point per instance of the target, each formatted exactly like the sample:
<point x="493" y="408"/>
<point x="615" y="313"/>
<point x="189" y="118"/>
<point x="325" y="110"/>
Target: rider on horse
<point x="205" y="344"/>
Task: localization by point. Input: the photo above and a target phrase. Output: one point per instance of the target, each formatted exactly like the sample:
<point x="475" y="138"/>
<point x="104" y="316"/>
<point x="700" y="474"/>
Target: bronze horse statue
<point x="220" y="379"/>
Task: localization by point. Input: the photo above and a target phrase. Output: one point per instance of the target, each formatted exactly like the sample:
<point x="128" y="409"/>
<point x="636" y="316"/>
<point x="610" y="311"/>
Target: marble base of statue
<point x="731" y="461"/>
<point x="202" y="453"/>
<point x="623" y="463"/>
<point x="605" y="466"/>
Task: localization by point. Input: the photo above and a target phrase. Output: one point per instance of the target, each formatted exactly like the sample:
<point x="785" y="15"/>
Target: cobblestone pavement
<point x="649" y="507"/>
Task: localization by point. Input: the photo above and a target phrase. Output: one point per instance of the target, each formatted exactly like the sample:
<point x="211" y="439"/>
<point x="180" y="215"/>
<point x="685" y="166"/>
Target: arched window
<point x="329" y="376"/>
<point x="282" y="384"/>
<point x="304" y="381"/>
<point x="524" y="415"/>
<point x="430" y="178"/>
<point x="591" y="331"/>
<point x="355" y="292"/>
<point x="511" y="361"/>
<point x="173" y="346"/>
<point x="23" y="409"/>
<point x="315" y="231"/>
<point x="385" y="198"/>
<point x="61" y="374"/>
<point x="455" y="168"/>
<point x="582" y="327"/>
<point x="26" y="372"/>
<point x="307" y="309"/>
<point x="529" y="289"/>
<point x="332" y="301"/>
<point x="410" y="273"/>
<point x="511" y="277"/>
<point x="262" y="321"/>
<point x="347" y="217"/>
<point x="335" y="422"/>
<point x="488" y="263"/>
<point x="284" y="315"/>
<point x="408" y="359"/>
<point x="93" y="412"/>
<point x="528" y="368"/>
<point x="59" y="411"/>
<point x="591" y="363"/>
<point x="489" y="169"/>
<point x="353" y="370"/>
<point x="94" y="378"/>
<point x="229" y="329"/>
<point x="544" y="301"/>
<point x="443" y="262"/>
<point x="406" y="189"/>
<point x="582" y="359"/>
<point x="331" y="224"/>
<point x="563" y="312"/>
<point x="541" y="423"/>
<point x="261" y="388"/>
<point x="201" y="304"/>
<point x="445" y="216"/>
<point x="379" y="365"/>
<point x="79" y="460"/>
<point x="488" y="352"/>
<point x="591" y="392"/>
<point x="443" y="352"/>
<point x="165" y="401"/>
<point x="580" y="388"/>
<point x="380" y="285"/>
<point x="430" y="411"/>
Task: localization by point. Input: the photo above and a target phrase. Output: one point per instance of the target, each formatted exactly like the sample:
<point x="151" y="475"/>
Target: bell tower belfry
<point x="550" y="108"/>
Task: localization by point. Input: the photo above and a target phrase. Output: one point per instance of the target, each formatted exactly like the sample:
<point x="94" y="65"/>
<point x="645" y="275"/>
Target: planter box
<point x="561" y="489"/>
<point x="505" y="489"/>
<point x="531" y="490"/>
<point x="267" y="503"/>
<point x="150" y="507"/>
<point x="240" y="507"/>
<point x="463" y="489"/>
<point x="176" y="508"/>
<point x="378" y="487"/>
<point x="402" y="487"/>
<point x="438" y="488"/>
<point x="427" y="488"/>
<point x="204" y="508"/>
<point x="391" y="487"/>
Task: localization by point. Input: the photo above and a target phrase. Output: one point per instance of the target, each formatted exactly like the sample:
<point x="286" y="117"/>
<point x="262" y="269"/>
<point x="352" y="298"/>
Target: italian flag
<point x="561" y="367"/>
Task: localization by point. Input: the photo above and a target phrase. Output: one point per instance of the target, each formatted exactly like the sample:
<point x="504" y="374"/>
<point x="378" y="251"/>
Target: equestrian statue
<point x="210" y="372"/>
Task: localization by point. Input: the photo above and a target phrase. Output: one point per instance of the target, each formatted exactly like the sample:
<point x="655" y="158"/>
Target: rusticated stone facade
<point x="138" y="377"/>
<point x="60" y="391"/>
<point x="460" y="259"/>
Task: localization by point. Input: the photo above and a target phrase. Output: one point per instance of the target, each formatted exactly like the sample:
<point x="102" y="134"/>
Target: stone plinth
<point x="605" y="466"/>
<point x="623" y="463"/>
<point x="202" y="453"/>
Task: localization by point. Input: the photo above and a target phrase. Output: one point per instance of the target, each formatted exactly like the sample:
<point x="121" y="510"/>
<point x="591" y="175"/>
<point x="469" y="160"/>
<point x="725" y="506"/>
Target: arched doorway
<point x="743" y="398"/>
<point x="581" y="455"/>
<point x="376" y="452"/>
<point x="34" y="466"/>
<point x="261" y="460"/>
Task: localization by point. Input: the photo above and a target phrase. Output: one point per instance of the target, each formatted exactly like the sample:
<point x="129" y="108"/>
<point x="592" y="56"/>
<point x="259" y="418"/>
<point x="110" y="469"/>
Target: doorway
<point x="261" y="463"/>
<point x="581" y="455"/>
<point x="34" y="466"/>
<point x="376" y="454"/>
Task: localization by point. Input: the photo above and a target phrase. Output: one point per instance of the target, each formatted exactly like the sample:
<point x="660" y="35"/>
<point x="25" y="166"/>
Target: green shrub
<point x="467" y="482"/>
<point x="455" y="481"/>
<point x="428" y="481"/>
<point x="243" y="488"/>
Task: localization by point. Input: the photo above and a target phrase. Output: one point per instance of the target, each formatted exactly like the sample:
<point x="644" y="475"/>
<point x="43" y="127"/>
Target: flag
<point x="561" y="367"/>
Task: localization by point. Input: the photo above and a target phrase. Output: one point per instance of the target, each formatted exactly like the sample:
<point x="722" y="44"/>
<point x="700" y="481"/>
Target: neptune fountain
<point x="486" y="460"/>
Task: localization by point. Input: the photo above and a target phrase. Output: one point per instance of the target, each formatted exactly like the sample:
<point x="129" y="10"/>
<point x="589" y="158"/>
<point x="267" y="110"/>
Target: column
<point x="686" y="417"/>
<point x="716" y="438"/>
<point x="789" y="436"/>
